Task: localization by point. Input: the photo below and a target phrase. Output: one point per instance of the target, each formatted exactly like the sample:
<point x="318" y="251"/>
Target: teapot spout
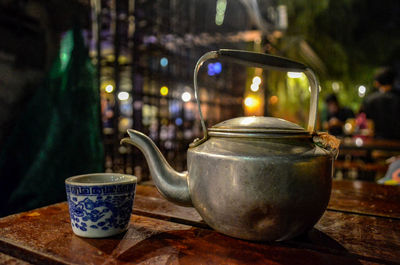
<point x="171" y="184"/>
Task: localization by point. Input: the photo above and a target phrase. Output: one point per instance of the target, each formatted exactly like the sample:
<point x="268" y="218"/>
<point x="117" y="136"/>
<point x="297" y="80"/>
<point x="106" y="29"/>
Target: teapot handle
<point x="261" y="60"/>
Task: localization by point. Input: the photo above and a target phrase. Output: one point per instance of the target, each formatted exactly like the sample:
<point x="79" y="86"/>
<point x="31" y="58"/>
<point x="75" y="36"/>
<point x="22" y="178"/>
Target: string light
<point x="256" y="80"/>
<point x="109" y="88"/>
<point x="361" y="91"/>
<point x="164" y="90"/>
<point x="335" y="86"/>
<point x="123" y="95"/>
<point x="163" y="62"/>
<point x="254" y="87"/>
<point x="186" y="96"/>
<point x="250" y="102"/>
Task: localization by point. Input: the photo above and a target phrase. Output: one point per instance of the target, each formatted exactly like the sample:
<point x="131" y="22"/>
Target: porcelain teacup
<point x="100" y="204"/>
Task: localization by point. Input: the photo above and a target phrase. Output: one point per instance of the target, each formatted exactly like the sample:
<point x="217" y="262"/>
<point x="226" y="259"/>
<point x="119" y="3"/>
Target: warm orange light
<point x="250" y="102"/>
<point x="273" y="100"/>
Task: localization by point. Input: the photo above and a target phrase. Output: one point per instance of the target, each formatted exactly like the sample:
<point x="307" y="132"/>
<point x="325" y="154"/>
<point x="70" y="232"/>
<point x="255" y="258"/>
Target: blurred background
<point x="140" y="60"/>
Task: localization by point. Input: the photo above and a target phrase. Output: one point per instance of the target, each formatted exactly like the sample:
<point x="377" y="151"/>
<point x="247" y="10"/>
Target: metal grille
<point x="145" y="52"/>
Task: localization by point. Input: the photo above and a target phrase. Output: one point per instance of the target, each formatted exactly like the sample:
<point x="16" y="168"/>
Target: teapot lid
<point x="257" y="126"/>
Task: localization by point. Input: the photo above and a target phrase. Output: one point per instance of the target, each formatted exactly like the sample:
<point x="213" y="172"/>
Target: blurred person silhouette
<point x="383" y="106"/>
<point x="336" y="116"/>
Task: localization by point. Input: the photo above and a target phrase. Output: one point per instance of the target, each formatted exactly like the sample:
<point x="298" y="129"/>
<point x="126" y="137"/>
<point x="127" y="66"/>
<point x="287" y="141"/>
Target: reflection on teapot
<point x="255" y="178"/>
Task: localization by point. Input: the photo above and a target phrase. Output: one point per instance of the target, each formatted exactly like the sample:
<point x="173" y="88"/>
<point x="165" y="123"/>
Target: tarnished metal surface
<point x="259" y="189"/>
<point x="255" y="178"/>
<point x="256" y="124"/>
<point x="171" y="184"/>
<point x="250" y="188"/>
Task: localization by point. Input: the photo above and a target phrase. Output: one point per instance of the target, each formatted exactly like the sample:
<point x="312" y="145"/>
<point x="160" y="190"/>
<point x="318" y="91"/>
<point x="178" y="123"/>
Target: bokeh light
<point x="295" y="74"/>
<point x="250" y="102"/>
<point x="164" y="90"/>
<point x="273" y="100"/>
<point x="214" y="68"/>
<point x="123" y="95"/>
<point x="256" y="80"/>
<point x="186" y="96"/>
<point x="109" y="88"/>
<point x="361" y="91"/>
<point x="178" y="121"/>
<point x="163" y="62"/>
<point x="254" y="87"/>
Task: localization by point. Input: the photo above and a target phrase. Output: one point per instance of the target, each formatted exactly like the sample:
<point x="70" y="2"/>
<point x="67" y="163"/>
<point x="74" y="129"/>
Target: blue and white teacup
<point x="100" y="204"/>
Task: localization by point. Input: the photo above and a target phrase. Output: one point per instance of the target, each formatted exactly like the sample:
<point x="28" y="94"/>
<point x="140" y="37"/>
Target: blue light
<point x="174" y="107"/>
<point x="217" y="67"/>
<point x="178" y="121"/>
<point x="210" y="69"/>
<point x="164" y="62"/>
<point x="214" y="68"/>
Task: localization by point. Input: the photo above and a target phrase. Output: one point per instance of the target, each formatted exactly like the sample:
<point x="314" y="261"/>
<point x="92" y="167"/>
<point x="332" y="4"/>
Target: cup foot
<point x="98" y="234"/>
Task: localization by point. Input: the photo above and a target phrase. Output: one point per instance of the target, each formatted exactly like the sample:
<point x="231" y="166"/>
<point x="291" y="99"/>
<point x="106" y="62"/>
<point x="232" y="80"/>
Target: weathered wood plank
<point x="45" y="236"/>
<point x="365" y="198"/>
<point x="9" y="260"/>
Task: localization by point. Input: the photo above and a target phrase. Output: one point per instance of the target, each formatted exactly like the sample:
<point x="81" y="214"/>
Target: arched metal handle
<point x="261" y="60"/>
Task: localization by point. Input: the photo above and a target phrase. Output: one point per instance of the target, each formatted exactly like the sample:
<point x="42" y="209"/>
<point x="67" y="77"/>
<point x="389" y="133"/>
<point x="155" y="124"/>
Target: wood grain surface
<point x="361" y="226"/>
<point x="367" y="198"/>
<point x="44" y="236"/>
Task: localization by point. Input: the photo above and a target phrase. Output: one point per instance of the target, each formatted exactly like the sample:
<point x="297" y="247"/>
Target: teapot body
<point x="255" y="178"/>
<point x="260" y="189"/>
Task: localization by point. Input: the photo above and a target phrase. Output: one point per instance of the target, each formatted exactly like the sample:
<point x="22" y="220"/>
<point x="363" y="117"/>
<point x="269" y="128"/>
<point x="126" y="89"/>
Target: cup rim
<point x="74" y="180"/>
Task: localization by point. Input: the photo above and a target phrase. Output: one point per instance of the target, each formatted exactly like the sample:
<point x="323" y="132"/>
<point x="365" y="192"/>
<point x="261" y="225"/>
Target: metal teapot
<point x="254" y="178"/>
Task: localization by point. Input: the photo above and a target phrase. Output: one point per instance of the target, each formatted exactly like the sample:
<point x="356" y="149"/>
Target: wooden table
<point x="361" y="226"/>
<point x="360" y="143"/>
<point x="366" y="155"/>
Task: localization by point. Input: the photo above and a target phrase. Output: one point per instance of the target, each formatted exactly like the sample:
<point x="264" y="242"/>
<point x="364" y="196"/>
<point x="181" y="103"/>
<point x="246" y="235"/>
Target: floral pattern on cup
<point x="100" y="208"/>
